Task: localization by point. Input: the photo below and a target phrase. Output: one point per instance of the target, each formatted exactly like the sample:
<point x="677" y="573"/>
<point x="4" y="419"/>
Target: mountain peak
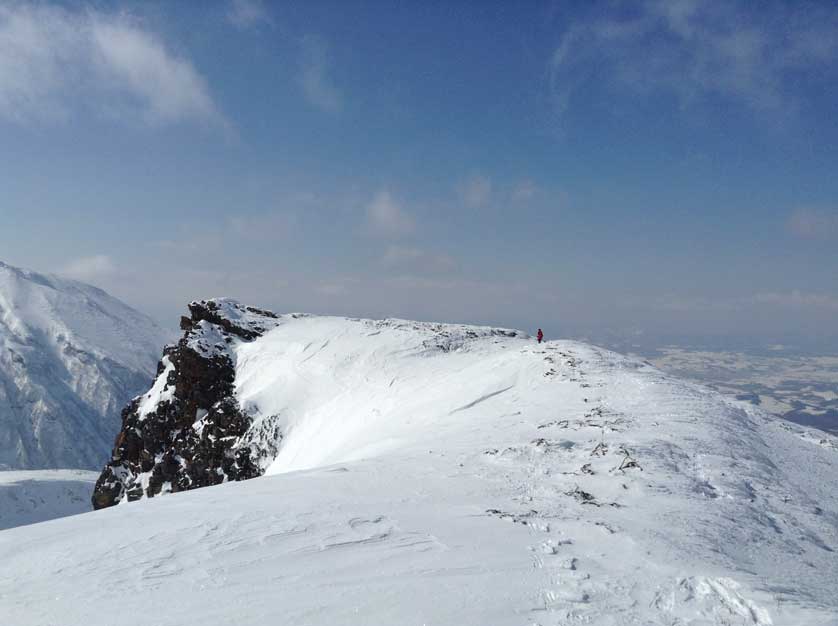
<point x="70" y="357"/>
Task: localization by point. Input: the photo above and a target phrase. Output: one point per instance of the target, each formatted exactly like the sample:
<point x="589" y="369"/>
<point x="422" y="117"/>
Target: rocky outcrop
<point x="189" y="431"/>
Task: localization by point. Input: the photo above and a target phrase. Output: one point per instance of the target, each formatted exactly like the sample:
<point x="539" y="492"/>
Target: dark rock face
<point x="189" y="431"/>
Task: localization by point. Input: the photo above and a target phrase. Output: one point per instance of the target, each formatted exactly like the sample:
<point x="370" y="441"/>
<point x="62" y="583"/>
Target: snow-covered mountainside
<point x="32" y="496"/>
<point x="436" y="474"/>
<point x="71" y="357"/>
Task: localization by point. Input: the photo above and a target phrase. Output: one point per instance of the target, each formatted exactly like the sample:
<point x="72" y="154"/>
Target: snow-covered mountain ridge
<point x="439" y="474"/>
<point x="194" y="428"/>
<point x="71" y="356"/>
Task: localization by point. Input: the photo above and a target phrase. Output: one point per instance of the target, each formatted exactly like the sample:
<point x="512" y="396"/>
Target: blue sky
<point x="655" y="167"/>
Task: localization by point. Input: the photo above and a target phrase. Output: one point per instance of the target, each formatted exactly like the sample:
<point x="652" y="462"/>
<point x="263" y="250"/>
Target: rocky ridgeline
<point x="189" y="431"/>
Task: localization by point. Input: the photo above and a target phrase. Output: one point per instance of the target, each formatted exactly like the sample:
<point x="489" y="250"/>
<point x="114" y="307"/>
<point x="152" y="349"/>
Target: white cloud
<point x="247" y="13"/>
<point x="314" y="75"/>
<point x="89" y="269"/>
<point x="166" y="88"/>
<point x="476" y="192"/>
<point x="693" y="49"/>
<point x="55" y="62"/>
<point x="386" y="217"/>
<point x="813" y="223"/>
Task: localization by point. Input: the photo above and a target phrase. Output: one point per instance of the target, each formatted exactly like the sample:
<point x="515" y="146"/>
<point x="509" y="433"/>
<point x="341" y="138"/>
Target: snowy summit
<point x="417" y="473"/>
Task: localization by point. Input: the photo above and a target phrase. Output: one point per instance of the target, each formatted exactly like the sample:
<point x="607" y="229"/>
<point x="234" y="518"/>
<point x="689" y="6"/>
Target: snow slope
<point x="437" y="474"/>
<point x="71" y="357"/>
<point x="29" y="497"/>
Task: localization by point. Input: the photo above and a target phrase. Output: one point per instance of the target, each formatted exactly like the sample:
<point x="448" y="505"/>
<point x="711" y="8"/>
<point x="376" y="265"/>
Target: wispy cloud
<point x="694" y="49"/>
<point x="247" y="13"/>
<point x="476" y="191"/>
<point x="315" y="81"/>
<point x="810" y="223"/>
<point x="386" y="217"/>
<point x="56" y="62"/>
<point x="89" y="269"/>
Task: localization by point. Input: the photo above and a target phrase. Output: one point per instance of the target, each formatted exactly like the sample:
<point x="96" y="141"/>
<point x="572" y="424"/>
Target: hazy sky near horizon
<point x="665" y="167"/>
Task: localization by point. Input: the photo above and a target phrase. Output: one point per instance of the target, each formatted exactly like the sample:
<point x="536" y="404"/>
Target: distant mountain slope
<point x="435" y="474"/>
<point x="71" y="357"/>
<point x="801" y="388"/>
<point x="32" y="496"/>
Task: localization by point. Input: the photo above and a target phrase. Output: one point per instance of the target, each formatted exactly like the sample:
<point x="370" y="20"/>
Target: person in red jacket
<point x="540" y="335"/>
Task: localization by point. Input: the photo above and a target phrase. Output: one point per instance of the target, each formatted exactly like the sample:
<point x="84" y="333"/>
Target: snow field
<point x="438" y="474"/>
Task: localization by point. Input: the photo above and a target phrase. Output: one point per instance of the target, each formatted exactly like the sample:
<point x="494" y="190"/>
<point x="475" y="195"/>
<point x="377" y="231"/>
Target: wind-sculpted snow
<point x="71" y="356"/>
<point x="442" y="474"/>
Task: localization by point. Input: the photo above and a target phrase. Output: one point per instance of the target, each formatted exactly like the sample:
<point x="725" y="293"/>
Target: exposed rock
<point x="189" y="431"/>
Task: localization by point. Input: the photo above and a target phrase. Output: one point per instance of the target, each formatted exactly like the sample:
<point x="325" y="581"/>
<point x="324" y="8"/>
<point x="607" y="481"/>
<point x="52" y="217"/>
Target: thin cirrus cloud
<point x="694" y="49"/>
<point x="385" y="217"/>
<point x="315" y="80"/>
<point x="248" y="13"/>
<point x="55" y="62"/>
<point x="89" y="269"/>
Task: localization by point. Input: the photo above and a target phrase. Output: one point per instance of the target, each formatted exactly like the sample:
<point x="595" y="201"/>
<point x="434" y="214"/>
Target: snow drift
<point x="71" y="356"/>
<point x="441" y="474"/>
